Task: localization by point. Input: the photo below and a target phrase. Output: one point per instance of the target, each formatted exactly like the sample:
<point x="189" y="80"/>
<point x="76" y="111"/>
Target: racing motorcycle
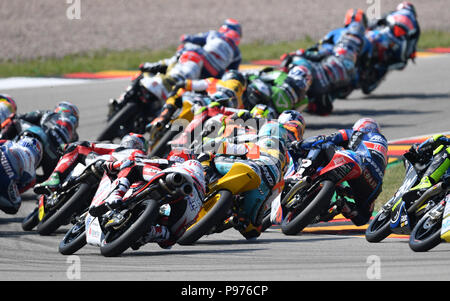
<point x="380" y="226"/>
<point x="135" y="108"/>
<point x="434" y="227"/>
<point x="221" y="202"/>
<point x="204" y="122"/>
<point x="72" y="197"/>
<point x="308" y="194"/>
<point x="143" y="206"/>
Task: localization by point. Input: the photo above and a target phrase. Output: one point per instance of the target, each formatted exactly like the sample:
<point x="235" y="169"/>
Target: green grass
<point x="101" y="60"/>
<point x="392" y="180"/>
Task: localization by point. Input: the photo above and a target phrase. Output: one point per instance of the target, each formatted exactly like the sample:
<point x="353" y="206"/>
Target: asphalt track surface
<point x="413" y="102"/>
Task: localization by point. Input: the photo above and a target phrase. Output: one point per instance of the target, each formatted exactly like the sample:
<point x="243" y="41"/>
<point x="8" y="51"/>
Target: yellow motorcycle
<point x="222" y="199"/>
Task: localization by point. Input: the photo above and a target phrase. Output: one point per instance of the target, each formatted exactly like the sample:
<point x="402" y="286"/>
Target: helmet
<point x="231" y="24"/>
<point x="302" y="77"/>
<point x="236" y="86"/>
<point x="65" y="107"/>
<point x="263" y="111"/>
<point x="235" y="74"/>
<point x="134" y="141"/>
<point x="9" y="101"/>
<point x="273" y="129"/>
<point x="34" y="147"/>
<point x="226" y="96"/>
<point x="257" y="92"/>
<point x="401" y="25"/>
<point x="355" y="15"/>
<point x="366" y="125"/>
<point x="407" y="6"/>
<point x="294" y="123"/>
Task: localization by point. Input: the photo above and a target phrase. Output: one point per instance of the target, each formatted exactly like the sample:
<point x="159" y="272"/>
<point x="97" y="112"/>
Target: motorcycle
<point x="380" y="226"/>
<point x="118" y="229"/>
<point x="59" y="206"/>
<point x="135" y="108"/>
<point x="308" y="194"/>
<point x="220" y="203"/>
<point x="191" y="135"/>
<point x="434" y="227"/>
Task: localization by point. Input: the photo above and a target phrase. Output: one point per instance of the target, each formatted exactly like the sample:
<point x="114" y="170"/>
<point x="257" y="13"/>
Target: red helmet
<point x="401" y="25"/>
<point x="355" y="15"/>
<point x="231" y="24"/>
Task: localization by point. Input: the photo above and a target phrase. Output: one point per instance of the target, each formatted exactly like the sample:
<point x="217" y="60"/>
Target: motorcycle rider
<point x="59" y="125"/>
<point x="268" y="156"/>
<point x="394" y="38"/>
<point x="131" y="145"/>
<point x="19" y="160"/>
<point x="437" y="150"/>
<point x="8" y="108"/>
<point x="203" y="55"/>
<point x="182" y="212"/>
<point x="367" y="145"/>
<point x="331" y="73"/>
<point x="278" y="89"/>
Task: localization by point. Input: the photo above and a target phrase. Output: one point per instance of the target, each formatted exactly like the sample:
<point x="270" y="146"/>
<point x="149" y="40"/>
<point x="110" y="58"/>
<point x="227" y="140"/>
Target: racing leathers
<point x="176" y="216"/>
<point x="202" y="55"/>
<point x="369" y="150"/>
<point x="78" y="152"/>
<point x="268" y="157"/>
<point x="18" y="162"/>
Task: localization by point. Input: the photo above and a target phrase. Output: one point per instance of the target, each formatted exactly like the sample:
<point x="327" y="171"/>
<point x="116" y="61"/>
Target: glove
<point x="152" y="67"/>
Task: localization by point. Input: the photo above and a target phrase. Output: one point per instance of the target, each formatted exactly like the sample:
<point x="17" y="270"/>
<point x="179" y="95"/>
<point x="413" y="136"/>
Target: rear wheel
<point x="128" y="112"/>
<point x="213" y="213"/>
<point x="315" y="199"/>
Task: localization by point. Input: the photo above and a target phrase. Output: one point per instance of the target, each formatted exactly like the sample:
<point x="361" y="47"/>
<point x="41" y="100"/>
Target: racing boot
<point x="114" y="200"/>
<point x="52" y="183"/>
<point x="159" y="234"/>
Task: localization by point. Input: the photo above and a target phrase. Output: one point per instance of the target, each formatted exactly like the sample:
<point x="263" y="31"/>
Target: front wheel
<point x="139" y="223"/>
<point x="74" y="205"/>
<point x="426" y="234"/>
<point x="379" y="228"/>
<point x="315" y="199"/>
<point x="213" y="212"/>
<point x="74" y="239"/>
<point x="31" y="220"/>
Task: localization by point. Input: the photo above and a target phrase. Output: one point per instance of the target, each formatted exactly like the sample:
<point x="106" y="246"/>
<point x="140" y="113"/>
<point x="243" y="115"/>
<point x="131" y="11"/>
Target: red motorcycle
<point x="307" y="196"/>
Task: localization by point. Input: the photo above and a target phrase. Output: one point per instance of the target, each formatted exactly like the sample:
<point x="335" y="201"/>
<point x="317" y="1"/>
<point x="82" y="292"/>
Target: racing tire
<point x="379" y="228"/>
<point x="74" y="205"/>
<point x="117" y="242"/>
<point x="295" y="222"/>
<point x="74" y="239"/>
<point x="129" y="111"/>
<point x="214" y="216"/>
<point x="426" y="234"/>
<point x="162" y="147"/>
<point x="31" y="220"/>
